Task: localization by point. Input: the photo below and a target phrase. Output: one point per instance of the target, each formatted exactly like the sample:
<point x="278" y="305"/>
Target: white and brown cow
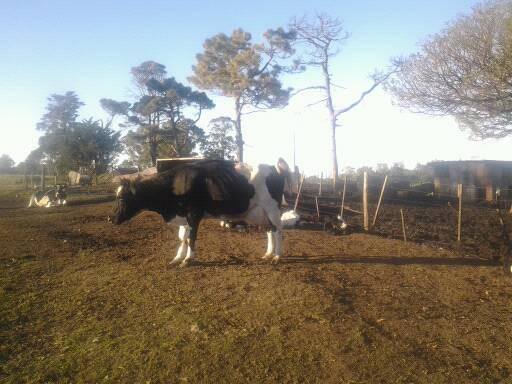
<point x="187" y="193"/>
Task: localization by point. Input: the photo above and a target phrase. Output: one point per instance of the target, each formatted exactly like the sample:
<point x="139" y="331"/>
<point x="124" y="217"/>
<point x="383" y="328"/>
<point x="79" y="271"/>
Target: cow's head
<point x="60" y="193"/>
<point x="125" y="206"/>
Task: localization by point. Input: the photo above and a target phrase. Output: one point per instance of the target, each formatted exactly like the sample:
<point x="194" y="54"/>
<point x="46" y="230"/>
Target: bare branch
<point x="315" y="103"/>
<point x="377" y="82"/>
<point x="464" y="71"/>
<point x="307" y="89"/>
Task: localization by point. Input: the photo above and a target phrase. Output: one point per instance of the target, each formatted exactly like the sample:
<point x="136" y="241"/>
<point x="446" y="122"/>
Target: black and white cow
<point x="187" y="193"/>
<point x="50" y="198"/>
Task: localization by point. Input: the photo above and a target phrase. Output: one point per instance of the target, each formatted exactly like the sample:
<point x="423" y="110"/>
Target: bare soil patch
<point x="82" y="300"/>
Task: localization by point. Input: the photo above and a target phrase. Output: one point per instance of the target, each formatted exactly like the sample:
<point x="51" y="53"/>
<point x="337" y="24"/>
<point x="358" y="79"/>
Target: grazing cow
<point x="208" y="188"/>
<point x="50" y="198"/>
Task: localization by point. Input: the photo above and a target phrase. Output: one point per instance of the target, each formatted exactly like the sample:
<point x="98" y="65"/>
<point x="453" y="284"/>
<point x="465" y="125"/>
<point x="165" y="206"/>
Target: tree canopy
<point x="464" y="71"/>
<point x="235" y="67"/>
<point x="164" y="116"/>
<point x="6" y="164"/>
<point x="61" y="112"/>
<point x="219" y="142"/>
<point x="70" y="144"/>
<point x="94" y="145"/>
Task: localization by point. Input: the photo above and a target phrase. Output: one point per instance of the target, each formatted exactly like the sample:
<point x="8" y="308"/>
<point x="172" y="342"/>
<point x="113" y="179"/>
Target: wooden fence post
<point x="298" y="194"/>
<point x="380" y="200"/>
<point x="459" y="226"/>
<point x="403" y="224"/>
<point x="25" y="179"/>
<point x="317" y="209"/>
<point x="365" y="201"/>
<point x="43" y="171"/>
<point x="320" y="186"/>
<point x="343" y="197"/>
<point x="507" y="262"/>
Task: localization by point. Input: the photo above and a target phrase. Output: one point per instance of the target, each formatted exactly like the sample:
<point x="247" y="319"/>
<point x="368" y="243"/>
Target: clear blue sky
<point x="89" y="47"/>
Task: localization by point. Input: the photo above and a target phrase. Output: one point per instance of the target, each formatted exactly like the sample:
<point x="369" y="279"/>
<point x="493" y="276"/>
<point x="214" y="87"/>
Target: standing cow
<point x="187" y="193"/>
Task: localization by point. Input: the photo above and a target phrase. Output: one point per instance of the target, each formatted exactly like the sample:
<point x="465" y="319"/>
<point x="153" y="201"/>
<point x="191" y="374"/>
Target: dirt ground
<point x="82" y="300"/>
<point x="481" y="231"/>
<point x="434" y="224"/>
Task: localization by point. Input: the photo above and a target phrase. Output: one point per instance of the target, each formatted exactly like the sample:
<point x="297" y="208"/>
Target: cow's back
<point x="212" y="185"/>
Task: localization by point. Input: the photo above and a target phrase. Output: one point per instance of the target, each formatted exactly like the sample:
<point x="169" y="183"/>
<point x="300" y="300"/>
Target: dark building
<point x="480" y="178"/>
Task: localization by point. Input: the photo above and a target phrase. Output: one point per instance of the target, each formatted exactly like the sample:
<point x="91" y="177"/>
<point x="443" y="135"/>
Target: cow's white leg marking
<point x="270" y="245"/>
<point x="183" y="234"/>
<point x="278" y="234"/>
<point x="190" y="255"/>
<point x="274" y="215"/>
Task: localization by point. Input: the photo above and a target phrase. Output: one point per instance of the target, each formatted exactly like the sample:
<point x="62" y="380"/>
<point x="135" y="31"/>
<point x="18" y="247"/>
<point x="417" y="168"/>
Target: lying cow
<point x="208" y="188"/>
<point x="50" y="198"/>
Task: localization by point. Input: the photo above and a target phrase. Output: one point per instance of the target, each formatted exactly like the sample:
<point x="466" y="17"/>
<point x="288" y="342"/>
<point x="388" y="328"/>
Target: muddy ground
<point x="82" y="300"/>
<point x="434" y="224"/>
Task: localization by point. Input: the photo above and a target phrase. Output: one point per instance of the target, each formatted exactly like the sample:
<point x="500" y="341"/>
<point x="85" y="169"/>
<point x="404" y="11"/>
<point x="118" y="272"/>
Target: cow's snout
<point x="109" y="219"/>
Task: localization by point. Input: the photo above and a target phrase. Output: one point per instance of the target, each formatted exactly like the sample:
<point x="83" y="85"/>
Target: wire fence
<point x="431" y="218"/>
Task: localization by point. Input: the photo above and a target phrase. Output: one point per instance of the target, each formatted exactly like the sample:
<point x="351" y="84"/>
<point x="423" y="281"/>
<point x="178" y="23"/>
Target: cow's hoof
<point x="266" y="256"/>
<point x="174" y="261"/>
<point x="275" y="259"/>
<point x="184" y="264"/>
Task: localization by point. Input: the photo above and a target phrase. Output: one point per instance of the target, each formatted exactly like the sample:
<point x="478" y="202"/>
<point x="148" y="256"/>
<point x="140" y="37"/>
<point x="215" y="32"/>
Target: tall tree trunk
<point x="332" y="117"/>
<point x="153" y="151"/>
<point x="238" y="128"/>
<point x="334" y="155"/>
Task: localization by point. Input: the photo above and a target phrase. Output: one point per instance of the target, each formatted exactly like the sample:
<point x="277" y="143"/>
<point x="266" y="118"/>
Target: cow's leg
<point x="32" y="201"/>
<point x="274" y="215"/>
<point x="278" y="236"/>
<point x="183" y="234"/>
<point x="270" y="245"/>
<point x="194" y="218"/>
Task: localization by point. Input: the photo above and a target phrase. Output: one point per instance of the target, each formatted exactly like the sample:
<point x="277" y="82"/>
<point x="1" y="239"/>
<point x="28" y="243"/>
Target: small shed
<point x="480" y="178"/>
<point x="77" y="178"/>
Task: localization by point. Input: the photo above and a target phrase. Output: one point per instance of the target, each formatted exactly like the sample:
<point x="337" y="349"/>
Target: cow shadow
<point x="347" y="260"/>
<point x="390" y="260"/>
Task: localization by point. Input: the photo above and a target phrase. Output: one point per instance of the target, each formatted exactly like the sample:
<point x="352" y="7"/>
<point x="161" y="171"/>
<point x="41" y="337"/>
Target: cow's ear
<point x="282" y="166"/>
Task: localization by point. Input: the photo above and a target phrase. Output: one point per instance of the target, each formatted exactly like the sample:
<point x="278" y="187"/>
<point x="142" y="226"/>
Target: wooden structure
<point x="481" y="178"/>
<point x="165" y="164"/>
